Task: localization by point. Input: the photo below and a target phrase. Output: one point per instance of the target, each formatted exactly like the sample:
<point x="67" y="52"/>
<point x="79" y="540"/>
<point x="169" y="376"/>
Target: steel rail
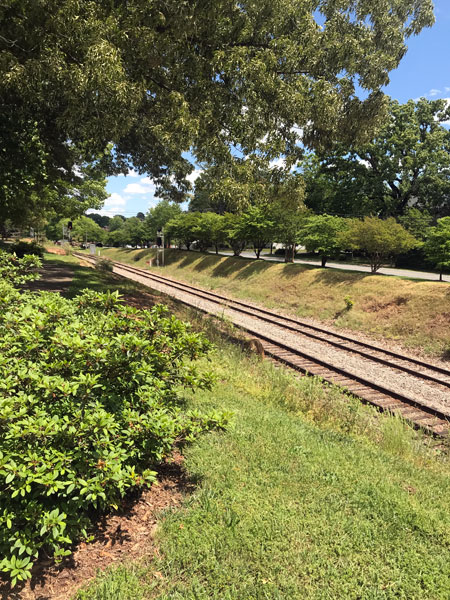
<point x="421" y="415"/>
<point x="303" y="327"/>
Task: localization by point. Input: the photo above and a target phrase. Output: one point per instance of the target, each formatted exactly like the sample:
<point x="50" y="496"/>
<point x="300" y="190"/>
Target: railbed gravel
<point x="430" y="394"/>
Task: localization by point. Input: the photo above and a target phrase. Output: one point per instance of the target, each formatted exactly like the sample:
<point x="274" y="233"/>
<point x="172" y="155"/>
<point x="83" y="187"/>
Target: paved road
<point x="345" y="267"/>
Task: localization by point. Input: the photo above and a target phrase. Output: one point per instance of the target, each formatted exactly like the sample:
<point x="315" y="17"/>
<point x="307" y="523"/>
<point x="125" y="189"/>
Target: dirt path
<point x="54" y="278"/>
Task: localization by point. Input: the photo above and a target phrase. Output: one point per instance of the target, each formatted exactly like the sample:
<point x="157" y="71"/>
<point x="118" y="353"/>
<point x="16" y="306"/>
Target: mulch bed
<point x="54" y="278"/>
<point x="127" y="534"/>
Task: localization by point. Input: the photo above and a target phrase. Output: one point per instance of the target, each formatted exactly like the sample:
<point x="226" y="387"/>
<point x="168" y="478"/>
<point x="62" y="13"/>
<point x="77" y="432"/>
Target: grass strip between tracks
<point x="308" y="495"/>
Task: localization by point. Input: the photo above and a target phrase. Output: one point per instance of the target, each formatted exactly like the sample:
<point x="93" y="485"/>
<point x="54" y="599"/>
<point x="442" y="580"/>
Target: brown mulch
<point x="123" y="535"/>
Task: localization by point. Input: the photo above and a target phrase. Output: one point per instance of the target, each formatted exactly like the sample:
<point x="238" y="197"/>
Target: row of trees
<point x="118" y="230"/>
<point x="328" y="235"/>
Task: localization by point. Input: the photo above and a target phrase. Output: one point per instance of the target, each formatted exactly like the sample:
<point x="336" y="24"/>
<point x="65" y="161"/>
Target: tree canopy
<point x="321" y="233"/>
<point x="437" y="244"/>
<point x="159" y="215"/>
<point x="379" y="239"/>
<point x="406" y="164"/>
<point x="158" y="78"/>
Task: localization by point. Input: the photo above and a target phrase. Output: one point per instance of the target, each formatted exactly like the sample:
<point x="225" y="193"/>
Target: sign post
<point x="160" y="244"/>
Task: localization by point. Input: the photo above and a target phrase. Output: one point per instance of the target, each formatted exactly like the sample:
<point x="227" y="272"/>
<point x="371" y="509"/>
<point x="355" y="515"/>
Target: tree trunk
<point x="324" y="261"/>
<point x="440" y="276"/>
<point x="271" y="248"/>
<point x="289" y="254"/>
<point x="217" y="248"/>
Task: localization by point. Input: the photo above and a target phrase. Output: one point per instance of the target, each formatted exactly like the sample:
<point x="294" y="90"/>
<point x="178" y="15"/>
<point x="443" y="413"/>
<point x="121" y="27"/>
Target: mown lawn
<point x="412" y="312"/>
<point x="289" y="506"/>
<point x="307" y="495"/>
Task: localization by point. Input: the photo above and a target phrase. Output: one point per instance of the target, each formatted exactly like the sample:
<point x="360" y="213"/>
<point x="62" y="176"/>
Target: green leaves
<point x="156" y="79"/>
<point x="18" y="270"/>
<point x="379" y="239"/>
<point x="405" y="163"/>
<point x="437" y="244"/>
<point x="89" y="403"/>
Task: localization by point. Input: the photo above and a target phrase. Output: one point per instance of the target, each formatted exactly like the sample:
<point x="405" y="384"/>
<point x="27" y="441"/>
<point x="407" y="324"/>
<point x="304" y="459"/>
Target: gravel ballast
<point x="430" y="394"/>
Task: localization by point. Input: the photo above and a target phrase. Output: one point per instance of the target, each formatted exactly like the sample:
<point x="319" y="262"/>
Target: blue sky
<point x="424" y="71"/>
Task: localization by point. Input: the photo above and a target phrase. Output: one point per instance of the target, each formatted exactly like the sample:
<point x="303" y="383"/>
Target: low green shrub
<point x="18" y="270"/>
<point x="22" y="248"/>
<point x="90" y="401"/>
<point x="105" y="265"/>
<point x="349" y="303"/>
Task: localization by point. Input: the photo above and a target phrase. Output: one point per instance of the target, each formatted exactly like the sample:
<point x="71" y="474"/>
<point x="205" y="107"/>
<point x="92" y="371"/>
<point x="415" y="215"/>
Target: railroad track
<point x="421" y="414"/>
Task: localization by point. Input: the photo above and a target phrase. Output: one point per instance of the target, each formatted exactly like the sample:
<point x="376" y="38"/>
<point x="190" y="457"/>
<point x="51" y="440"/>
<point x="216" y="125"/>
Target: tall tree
<point x="102" y="220"/>
<point x="86" y="230"/>
<point x="159" y="215"/>
<point x="406" y="164"/>
<point x="162" y="77"/>
<point x="321" y="233"/>
<point x="257" y="226"/>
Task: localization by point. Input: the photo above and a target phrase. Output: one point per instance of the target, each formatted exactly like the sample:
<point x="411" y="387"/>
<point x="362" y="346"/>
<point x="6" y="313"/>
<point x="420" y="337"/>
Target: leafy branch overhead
<point x="159" y="78"/>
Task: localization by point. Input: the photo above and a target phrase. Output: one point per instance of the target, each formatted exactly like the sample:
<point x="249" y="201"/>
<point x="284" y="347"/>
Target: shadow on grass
<point x="291" y="270"/>
<point x="254" y="268"/>
<point x="230" y="266"/>
<point x="339" y="277"/>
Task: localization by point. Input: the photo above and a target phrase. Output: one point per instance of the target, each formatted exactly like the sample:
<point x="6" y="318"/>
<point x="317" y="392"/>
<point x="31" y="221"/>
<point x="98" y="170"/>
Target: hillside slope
<point x="414" y="313"/>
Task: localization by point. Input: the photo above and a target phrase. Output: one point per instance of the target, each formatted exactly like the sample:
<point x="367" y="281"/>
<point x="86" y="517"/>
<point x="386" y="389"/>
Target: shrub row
<point x="90" y="401"/>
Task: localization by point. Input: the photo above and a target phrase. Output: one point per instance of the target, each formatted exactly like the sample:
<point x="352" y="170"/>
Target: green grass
<point x="383" y="306"/>
<point x="122" y="584"/>
<point x="289" y="507"/>
<point x="87" y="277"/>
<point x="309" y="495"/>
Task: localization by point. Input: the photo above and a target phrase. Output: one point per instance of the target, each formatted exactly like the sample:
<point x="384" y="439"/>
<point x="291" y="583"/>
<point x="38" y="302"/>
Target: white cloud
<point x="147" y="181"/>
<point x="115" y="200"/>
<point x="279" y="162"/>
<point x="194" y="175"/>
<point x="136" y="188"/>
<point x="131" y="173"/>
<point x="364" y="162"/>
<point x="114" y="205"/>
<point x="433" y="93"/>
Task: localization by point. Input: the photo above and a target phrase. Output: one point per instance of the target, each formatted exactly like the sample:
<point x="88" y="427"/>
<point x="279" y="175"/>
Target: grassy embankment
<point x="412" y="312"/>
<point x="306" y="496"/>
